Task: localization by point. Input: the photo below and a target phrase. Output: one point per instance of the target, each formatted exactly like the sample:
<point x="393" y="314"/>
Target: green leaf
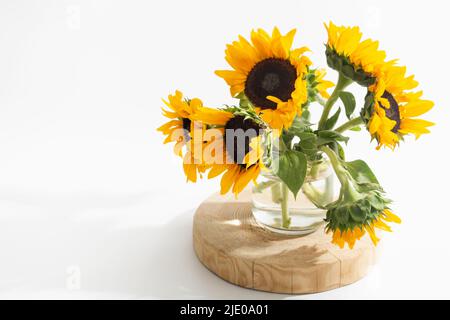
<point x="349" y="102"/>
<point x="342" y="214"/>
<point x="287" y="137"/>
<point x="299" y="125"/>
<point x="331" y="122"/>
<point x="356" y="129"/>
<point x="307" y="144"/>
<point x="328" y="136"/>
<point x="377" y="202"/>
<point x="307" y="147"/>
<point x="306" y="115"/>
<point x="306" y="136"/>
<point x="358" y="214"/>
<point x="361" y="172"/>
<point x="348" y="71"/>
<point x="292" y="170"/>
<point x="340" y="151"/>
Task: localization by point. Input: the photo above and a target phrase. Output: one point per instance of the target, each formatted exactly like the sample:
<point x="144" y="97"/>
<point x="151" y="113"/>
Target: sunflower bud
<point x="361" y="206"/>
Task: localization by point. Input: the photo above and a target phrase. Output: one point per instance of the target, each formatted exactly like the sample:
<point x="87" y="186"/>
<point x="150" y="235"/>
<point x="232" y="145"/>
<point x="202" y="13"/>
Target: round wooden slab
<point x="230" y="243"/>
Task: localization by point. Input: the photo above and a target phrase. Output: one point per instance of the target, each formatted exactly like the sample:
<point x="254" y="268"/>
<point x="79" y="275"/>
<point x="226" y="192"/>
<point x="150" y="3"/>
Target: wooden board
<point x="229" y="242"/>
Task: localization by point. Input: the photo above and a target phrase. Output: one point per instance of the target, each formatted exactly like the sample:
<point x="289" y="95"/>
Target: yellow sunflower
<point x="322" y="84"/>
<point x="361" y="206"/>
<point x="192" y="166"/>
<point x="391" y="107"/>
<point x="179" y="127"/>
<point x="270" y="74"/>
<point x="350" y="236"/>
<point x="182" y="130"/>
<point x="317" y="83"/>
<point x="234" y="148"/>
<point x="356" y="59"/>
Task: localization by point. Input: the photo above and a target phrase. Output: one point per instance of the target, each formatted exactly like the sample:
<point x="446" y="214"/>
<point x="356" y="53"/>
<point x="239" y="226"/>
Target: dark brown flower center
<point x="187" y="128"/>
<point x="270" y="77"/>
<point x="238" y="134"/>
<point x="393" y="112"/>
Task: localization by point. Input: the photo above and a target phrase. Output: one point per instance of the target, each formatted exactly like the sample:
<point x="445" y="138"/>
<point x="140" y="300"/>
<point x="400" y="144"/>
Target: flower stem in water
<point x="276" y="193"/>
<point x="286" y="220"/>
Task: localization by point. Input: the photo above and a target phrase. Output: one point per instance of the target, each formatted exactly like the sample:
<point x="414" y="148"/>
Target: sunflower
<point x="350" y="236"/>
<point x="317" y="84"/>
<point x="357" y="211"/>
<point x="193" y="167"/>
<point x="361" y="207"/>
<point x="235" y="145"/>
<point x="179" y="128"/>
<point x="270" y="74"/>
<point x="322" y="84"/>
<point x="357" y="60"/>
<point x="182" y="130"/>
<point x="391" y="107"/>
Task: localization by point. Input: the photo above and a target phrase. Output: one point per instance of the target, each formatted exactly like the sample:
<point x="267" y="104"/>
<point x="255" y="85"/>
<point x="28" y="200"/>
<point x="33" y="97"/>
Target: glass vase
<point x="276" y="209"/>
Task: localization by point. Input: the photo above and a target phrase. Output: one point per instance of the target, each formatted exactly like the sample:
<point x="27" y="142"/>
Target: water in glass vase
<point x="301" y="215"/>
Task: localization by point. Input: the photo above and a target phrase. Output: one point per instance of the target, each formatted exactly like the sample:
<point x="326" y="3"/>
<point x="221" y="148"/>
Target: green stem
<point x="342" y="83"/>
<point x="335" y="162"/>
<point x="314" y="195"/>
<point x="286" y="220"/>
<point x="276" y="193"/>
<point x="348" y="191"/>
<point x="329" y="189"/>
<point x="260" y="187"/>
<point x="321" y="101"/>
<point x="350" y="124"/>
<point x="314" y="170"/>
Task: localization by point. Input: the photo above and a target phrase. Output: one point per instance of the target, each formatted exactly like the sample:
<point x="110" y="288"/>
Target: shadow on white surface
<point x="122" y="247"/>
<point x="99" y="254"/>
<point x="157" y="262"/>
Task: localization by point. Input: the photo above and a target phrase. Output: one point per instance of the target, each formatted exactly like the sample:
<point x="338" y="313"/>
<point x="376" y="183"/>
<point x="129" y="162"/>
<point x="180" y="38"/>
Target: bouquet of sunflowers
<point x="270" y="129"/>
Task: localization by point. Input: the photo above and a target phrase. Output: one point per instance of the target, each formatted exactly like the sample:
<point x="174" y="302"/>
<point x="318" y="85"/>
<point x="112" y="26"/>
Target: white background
<point x="92" y="205"/>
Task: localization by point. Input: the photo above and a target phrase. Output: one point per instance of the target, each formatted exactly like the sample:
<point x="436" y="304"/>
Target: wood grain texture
<point x="230" y="243"/>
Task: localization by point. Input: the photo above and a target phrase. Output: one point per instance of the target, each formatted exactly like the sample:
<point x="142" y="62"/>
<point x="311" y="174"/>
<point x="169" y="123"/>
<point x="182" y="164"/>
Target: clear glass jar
<point x="301" y="215"/>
